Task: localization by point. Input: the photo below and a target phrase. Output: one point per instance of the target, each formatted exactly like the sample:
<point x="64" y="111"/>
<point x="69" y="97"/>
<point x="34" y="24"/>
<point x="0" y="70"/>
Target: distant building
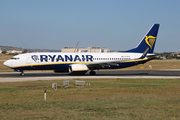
<point x="0" y="51"/>
<point x="178" y="55"/>
<point x="98" y="49"/>
<point x="89" y="49"/>
<point x="68" y="49"/>
<point x="14" y="52"/>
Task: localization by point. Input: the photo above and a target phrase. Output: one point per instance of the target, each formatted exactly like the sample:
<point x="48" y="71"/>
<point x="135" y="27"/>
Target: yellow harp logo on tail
<point x="150" y="40"/>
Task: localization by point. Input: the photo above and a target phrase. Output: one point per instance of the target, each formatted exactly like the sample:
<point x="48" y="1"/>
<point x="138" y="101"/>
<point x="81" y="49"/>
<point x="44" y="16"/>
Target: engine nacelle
<point x="78" y="69"/>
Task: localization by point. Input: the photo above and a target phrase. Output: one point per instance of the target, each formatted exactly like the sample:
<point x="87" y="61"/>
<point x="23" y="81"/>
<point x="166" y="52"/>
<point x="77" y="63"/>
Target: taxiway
<point x="36" y="75"/>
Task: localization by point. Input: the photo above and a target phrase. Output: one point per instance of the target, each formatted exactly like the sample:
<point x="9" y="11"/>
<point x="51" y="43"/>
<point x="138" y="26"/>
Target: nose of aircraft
<point x="7" y="63"/>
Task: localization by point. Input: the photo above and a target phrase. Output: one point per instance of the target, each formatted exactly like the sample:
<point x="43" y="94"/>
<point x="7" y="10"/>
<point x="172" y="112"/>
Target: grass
<point x="6" y="57"/>
<point x="104" y="99"/>
<point x="158" y="64"/>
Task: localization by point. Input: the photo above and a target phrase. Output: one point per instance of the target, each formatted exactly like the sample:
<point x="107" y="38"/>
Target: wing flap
<point x="104" y="64"/>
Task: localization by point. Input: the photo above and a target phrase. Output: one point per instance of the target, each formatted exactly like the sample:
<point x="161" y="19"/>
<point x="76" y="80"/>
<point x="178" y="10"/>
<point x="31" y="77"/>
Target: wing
<point x="106" y="63"/>
<point x="101" y="64"/>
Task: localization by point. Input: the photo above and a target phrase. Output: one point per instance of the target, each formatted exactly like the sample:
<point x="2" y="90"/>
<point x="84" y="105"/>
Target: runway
<point x="36" y="75"/>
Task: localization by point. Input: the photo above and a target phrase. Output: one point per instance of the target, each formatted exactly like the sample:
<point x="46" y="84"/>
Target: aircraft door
<point x="136" y="58"/>
<point x="37" y="60"/>
<point x="28" y="59"/>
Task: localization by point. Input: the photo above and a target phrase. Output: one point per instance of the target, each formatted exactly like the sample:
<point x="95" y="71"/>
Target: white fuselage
<point x="46" y="58"/>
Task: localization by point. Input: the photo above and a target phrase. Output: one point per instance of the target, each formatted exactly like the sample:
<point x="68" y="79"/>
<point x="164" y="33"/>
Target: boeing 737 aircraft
<point x="80" y="63"/>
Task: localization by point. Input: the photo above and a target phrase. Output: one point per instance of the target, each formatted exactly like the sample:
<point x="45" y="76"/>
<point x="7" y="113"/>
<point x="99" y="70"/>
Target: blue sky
<point x="114" y="24"/>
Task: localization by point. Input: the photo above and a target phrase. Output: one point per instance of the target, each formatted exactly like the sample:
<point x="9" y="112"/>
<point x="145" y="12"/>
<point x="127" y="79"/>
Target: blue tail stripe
<point x="148" y="41"/>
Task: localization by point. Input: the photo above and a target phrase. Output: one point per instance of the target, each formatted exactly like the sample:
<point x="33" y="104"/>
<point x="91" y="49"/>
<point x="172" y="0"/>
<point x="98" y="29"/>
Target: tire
<point x="22" y="74"/>
<point x="92" y="73"/>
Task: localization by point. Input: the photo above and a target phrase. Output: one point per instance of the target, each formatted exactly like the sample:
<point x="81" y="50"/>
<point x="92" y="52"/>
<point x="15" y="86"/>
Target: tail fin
<point x="148" y="41"/>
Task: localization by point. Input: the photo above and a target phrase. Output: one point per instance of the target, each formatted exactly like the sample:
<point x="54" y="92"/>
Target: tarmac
<point x="38" y="75"/>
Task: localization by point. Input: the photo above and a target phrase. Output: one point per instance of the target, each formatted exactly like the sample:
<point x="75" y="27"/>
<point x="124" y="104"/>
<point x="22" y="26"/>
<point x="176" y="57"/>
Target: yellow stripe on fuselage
<point x="81" y="70"/>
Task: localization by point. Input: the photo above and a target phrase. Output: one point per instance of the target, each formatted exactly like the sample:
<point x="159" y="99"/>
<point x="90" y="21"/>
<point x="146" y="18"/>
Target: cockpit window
<point x="14" y="58"/>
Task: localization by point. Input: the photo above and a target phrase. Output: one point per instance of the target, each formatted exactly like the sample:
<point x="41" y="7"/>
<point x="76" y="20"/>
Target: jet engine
<point x="78" y="69"/>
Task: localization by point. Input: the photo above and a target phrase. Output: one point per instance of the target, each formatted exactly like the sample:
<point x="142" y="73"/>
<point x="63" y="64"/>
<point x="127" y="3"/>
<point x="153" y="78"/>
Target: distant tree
<point x="25" y="51"/>
<point x="4" y="52"/>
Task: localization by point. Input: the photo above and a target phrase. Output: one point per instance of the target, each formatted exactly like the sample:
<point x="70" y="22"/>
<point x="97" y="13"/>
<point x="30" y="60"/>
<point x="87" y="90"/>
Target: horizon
<point x="79" y="47"/>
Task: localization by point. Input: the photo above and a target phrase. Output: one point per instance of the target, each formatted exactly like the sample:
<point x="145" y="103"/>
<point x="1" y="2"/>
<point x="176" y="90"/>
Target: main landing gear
<point x="92" y="72"/>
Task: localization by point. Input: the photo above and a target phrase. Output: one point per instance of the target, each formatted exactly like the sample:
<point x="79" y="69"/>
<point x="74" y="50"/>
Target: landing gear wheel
<point x="92" y="73"/>
<point x="22" y="74"/>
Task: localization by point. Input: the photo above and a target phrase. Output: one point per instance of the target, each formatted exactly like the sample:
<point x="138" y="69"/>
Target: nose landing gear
<point x="22" y="73"/>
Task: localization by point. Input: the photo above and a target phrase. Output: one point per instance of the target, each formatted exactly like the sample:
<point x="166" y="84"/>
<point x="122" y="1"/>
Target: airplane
<point x="80" y="63"/>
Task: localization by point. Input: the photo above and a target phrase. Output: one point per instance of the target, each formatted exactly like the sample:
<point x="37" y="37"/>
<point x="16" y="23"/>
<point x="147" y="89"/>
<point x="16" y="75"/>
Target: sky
<point x="114" y="24"/>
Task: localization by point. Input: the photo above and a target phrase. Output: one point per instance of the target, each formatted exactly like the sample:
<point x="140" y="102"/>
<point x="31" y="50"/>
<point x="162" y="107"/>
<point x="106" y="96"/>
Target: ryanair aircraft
<point x="80" y="63"/>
